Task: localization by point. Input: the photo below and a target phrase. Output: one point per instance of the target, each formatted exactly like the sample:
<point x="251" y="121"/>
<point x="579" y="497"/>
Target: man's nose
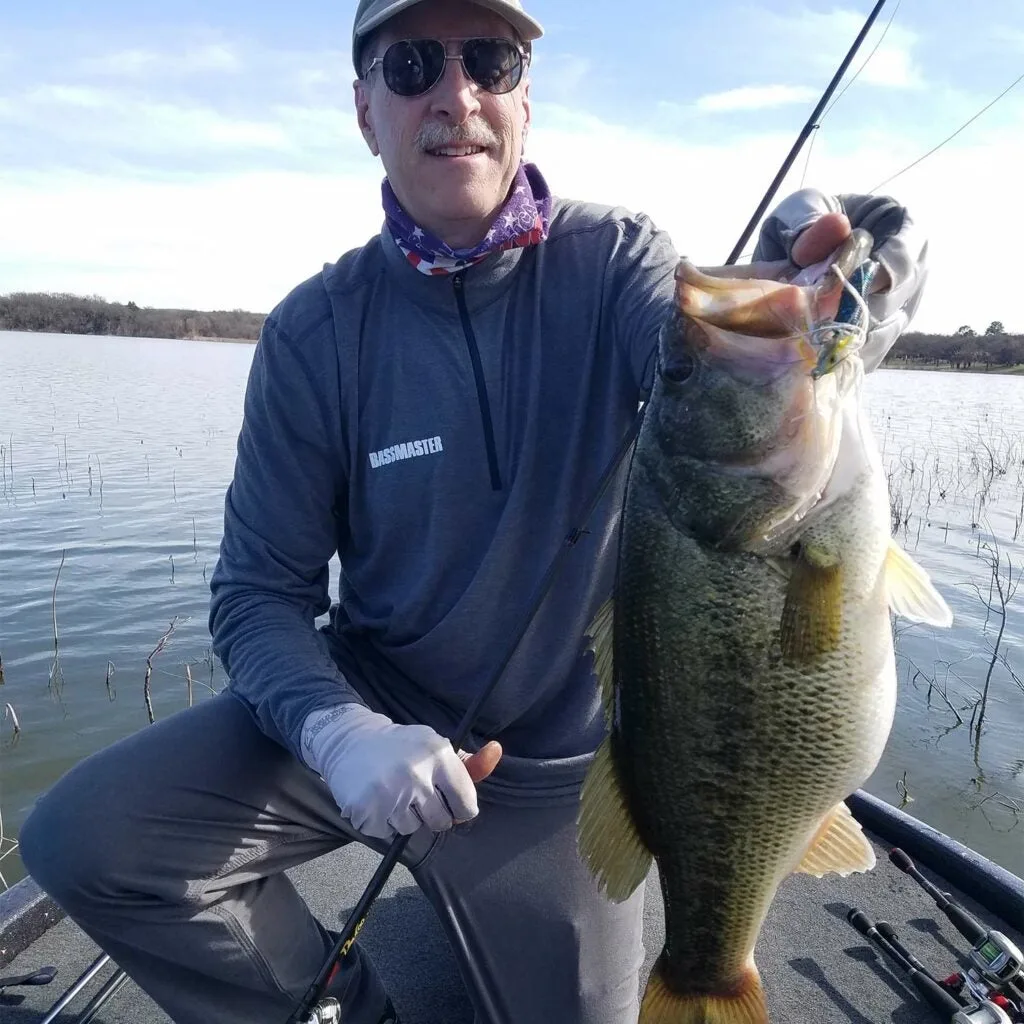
<point x="456" y="96"/>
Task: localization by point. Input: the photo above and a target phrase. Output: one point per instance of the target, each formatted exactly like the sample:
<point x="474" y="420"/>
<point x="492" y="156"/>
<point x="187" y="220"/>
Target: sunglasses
<point x="413" y="66"/>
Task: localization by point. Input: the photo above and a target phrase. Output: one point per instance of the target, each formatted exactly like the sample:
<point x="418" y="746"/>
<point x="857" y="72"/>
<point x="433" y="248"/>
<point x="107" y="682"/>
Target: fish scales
<point x="698" y="636"/>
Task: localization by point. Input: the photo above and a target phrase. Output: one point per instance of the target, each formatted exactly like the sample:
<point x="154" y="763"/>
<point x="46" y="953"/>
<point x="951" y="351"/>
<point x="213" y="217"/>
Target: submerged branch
<point x="56" y="679"/>
<point x="161" y="644"/>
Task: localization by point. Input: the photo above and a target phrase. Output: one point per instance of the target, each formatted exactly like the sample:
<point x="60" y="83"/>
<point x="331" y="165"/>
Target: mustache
<point x="434" y="135"/>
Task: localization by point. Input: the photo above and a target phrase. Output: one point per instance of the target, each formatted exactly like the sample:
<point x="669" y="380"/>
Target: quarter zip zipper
<point x="481" y="385"/>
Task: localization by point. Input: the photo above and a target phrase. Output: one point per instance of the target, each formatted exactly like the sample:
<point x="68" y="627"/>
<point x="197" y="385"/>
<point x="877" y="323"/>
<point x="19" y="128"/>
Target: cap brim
<point x="525" y="26"/>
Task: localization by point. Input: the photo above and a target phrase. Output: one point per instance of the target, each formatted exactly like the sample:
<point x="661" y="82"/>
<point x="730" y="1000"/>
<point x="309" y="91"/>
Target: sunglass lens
<point x="495" y="64"/>
<point x="412" y="66"/>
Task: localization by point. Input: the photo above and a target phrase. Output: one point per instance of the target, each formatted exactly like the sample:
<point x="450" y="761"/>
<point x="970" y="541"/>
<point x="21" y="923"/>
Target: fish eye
<point x="678" y="368"/>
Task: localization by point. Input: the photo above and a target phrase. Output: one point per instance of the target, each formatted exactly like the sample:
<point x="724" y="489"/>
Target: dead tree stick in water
<point x="56" y="672"/>
<point x="161" y="644"/>
<point x="10" y="713"/>
<point x="1005" y="590"/>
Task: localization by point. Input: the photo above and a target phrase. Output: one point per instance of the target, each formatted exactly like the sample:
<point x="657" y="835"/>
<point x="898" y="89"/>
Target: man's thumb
<point x="820" y="239"/>
<point x="483" y="762"/>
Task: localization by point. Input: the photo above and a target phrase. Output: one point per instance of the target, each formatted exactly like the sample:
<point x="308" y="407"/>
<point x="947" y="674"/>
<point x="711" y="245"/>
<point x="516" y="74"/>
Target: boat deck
<point x="815" y="967"/>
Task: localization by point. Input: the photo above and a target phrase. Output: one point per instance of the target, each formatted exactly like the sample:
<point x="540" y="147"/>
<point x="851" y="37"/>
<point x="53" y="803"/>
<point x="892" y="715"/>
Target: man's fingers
<point x="484" y="761"/>
<point x="820" y="239"/>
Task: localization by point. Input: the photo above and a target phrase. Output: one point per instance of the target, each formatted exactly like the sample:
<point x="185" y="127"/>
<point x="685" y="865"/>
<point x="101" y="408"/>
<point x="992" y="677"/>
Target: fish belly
<point x="730" y="759"/>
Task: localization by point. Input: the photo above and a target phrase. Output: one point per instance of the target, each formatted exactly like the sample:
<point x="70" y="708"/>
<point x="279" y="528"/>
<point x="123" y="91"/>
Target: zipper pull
<point x="457" y="281"/>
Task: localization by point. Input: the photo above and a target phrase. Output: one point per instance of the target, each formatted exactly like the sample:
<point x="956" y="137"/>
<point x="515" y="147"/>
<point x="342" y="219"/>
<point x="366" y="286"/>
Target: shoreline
<point x="905" y="364"/>
<point x="1016" y="370"/>
<point x="135" y="337"/>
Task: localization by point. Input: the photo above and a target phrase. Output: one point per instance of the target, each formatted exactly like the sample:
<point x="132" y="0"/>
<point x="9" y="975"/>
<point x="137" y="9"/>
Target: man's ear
<point x="362" y="102"/>
<point x="527" y="111"/>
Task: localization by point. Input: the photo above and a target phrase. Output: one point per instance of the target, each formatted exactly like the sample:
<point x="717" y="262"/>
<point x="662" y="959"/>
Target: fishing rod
<point x="812" y="123"/>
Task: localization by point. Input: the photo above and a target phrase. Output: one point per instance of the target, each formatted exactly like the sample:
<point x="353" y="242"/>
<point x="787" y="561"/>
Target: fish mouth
<point x="760" y="333"/>
<point x="754" y="326"/>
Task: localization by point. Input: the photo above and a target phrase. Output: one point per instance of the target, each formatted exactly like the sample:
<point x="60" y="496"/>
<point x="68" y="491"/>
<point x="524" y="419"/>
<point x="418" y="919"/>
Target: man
<point x="437" y="407"/>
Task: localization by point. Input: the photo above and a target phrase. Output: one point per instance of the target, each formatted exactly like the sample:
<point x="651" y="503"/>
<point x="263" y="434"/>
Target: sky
<point x="205" y="155"/>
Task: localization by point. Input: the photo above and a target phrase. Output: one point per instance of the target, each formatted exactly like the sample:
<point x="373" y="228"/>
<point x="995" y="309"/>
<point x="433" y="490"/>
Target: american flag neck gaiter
<point x="522" y="221"/>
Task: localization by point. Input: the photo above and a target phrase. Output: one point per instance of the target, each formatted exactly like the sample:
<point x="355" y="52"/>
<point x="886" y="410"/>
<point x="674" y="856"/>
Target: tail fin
<point x="745" y="1004"/>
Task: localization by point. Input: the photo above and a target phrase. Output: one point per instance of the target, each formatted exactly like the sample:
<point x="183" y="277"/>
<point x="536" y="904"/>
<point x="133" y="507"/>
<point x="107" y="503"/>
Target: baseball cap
<point x="370" y="14"/>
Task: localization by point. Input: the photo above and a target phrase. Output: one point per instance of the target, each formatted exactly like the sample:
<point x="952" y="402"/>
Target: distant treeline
<point x="964" y="350"/>
<point x="76" y="314"/>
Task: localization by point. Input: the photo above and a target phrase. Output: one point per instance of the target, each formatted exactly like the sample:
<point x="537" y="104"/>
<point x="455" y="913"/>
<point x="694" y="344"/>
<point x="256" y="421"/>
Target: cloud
<point x="823" y="39"/>
<point x="755" y="97"/>
<point x="138" y="62"/>
<point x="81" y="97"/>
<point x="704" y="194"/>
<point x="562" y="74"/>
<point x="225" y="242"/>
<point x="105" y="126"/>
<point x="893" y="67"/>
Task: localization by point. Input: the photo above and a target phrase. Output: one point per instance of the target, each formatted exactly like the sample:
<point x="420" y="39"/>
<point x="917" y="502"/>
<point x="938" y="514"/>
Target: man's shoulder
<point x="577" y="216"/>
<point x="308" y="308"/>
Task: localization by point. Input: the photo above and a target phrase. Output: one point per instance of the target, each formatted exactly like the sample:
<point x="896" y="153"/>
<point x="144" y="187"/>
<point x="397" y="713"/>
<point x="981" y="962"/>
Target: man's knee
<point x="70" y="843"/>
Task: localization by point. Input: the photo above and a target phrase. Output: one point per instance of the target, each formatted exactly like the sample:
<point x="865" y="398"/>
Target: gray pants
<point x="168" y="849"/>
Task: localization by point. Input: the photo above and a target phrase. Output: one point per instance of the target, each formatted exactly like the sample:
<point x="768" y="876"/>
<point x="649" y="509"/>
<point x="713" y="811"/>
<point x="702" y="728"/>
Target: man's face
<point x="454" y="195"/>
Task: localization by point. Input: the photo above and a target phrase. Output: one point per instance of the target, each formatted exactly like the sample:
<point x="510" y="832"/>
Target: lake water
<point x="116" y="453"/>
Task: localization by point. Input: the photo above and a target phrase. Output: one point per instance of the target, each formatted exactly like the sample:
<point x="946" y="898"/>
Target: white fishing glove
<point x="387" y="778"/>
<point x="900" y="248"/>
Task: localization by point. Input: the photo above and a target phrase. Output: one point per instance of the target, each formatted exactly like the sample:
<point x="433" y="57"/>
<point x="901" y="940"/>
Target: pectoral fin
<point x="812" y="614"/>
<point x="600" y="635"/>
<point x="839" y="846"/>
<point x="910" y="591"/>
<point x="606" y="836"/>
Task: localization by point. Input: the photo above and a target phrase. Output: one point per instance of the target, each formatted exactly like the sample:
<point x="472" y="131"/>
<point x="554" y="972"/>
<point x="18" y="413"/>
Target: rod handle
<point x="934" y="994"/>
<point x="964" y="923"/>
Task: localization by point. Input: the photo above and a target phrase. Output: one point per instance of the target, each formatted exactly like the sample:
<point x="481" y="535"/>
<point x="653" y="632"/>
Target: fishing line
<point x="856" y="75"/>
<point x="810" y="150"/>
<point x="812" y="122"/>
<point x="881" y="39"/>
<point x="935" y="149"/>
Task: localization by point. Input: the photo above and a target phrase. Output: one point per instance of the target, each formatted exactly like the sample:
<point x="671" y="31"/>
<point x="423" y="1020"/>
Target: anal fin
<point x="839" y="847"/>
<point x="606" y="835"/>
<point x="745" y="1004"/>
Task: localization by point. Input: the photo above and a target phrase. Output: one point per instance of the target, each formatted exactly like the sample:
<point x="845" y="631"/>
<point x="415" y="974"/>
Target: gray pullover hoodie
<point x="442" y="435"/>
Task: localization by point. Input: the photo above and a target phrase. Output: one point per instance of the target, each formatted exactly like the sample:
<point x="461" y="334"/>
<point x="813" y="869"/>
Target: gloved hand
<point x="390" y="779"/>
<point x="900" y="249"/>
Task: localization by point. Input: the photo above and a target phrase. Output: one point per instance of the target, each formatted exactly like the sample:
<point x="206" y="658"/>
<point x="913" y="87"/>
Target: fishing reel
<point x="983" y="1013"/>
<point x="989" y="991"/>
<point x="945" y="999"/>
<point x="995" y="963"/>
<point x="995" y="971"/>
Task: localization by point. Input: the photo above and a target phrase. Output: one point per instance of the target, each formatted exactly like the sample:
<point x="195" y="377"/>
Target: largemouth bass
<point x="746" y="656"/>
